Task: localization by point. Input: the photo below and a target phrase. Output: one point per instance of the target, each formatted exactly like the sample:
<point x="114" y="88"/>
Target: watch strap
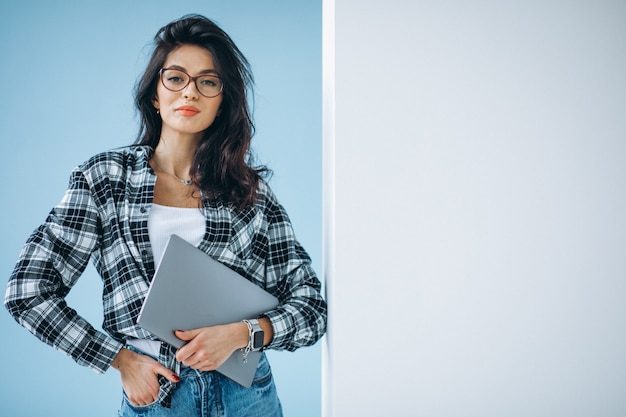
<point x="255" y="336"/>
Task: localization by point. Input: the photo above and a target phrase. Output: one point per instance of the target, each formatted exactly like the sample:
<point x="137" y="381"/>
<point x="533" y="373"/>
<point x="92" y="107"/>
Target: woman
<point x="189" y="173"/>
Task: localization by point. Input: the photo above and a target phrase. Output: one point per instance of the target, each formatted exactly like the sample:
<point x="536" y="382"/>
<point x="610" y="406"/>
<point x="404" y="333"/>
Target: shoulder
<point x="267" y="202"/>
<point x="120" y="157"/>
<point x="116" y="163"/>
<point x="266" y="199"/>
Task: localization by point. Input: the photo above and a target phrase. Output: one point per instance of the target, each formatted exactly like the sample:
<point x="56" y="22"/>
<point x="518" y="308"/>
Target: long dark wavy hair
<point x="222" y="166"/>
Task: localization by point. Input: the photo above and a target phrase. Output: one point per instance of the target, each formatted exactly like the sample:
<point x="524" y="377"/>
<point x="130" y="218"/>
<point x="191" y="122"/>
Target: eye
<point x="210" y="82"/>
<point x="175" y="79"/>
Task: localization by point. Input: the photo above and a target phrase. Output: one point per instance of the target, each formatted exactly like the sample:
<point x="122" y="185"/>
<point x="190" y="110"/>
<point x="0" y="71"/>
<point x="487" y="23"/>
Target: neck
<point x="176" y="156"/>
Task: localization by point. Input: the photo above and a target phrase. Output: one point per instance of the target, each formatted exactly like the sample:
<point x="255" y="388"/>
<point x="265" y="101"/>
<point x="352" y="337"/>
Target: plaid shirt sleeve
<point x="300" y="319"/>
<point x="49" y="265"/>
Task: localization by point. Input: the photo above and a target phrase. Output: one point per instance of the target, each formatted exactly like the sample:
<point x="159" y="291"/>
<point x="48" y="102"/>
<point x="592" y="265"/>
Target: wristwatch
<point x="255" y="335"/>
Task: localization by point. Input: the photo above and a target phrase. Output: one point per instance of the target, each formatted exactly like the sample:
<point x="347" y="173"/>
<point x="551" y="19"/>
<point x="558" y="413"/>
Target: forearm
<point x="300" y="319"/>
<point x="71" y="334"/>
<point x="268" y="330"/>
<point x="241" y="333"/>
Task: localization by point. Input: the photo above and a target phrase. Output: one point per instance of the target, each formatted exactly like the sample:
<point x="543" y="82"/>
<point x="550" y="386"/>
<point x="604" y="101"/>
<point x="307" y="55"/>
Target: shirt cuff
<point x="282" y="324"/>
<point x="100" y="353"/>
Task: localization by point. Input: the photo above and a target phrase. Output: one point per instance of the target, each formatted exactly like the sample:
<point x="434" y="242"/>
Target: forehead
<point x="192" y="58"/>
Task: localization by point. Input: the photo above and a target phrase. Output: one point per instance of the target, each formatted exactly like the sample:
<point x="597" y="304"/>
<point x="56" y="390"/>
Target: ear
<point x="155" y="103"/>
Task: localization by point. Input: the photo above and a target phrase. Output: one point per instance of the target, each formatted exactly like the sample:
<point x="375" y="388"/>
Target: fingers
<point x="167" y="374"/>
<point x="141" y="398"/>
<point x="198" y="355"/>
<point x="209" y="347"/>
<point x="186" y="335"/>
<point x="185" y="353"/>
<point x="139" y="378"/>
<point x="201" y="361"/>
<point x="191" y="354"/>
<point x="142" y="393"/>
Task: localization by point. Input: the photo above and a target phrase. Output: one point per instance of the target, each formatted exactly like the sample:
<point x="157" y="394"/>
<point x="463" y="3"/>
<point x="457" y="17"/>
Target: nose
<point x="190" y="92"/>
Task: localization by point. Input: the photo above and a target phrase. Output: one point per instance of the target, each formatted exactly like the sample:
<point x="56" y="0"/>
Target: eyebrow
<point x="203" y="72"/>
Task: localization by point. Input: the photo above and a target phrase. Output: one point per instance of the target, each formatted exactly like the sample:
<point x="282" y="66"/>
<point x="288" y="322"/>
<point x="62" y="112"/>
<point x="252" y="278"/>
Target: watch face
<point x="258" y="340"/>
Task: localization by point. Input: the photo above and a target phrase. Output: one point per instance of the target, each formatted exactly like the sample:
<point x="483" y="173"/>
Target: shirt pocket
<point x="245" y="233"/>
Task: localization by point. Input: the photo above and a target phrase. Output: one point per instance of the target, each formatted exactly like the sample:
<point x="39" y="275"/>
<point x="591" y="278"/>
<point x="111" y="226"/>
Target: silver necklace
<point x="182" y="181"/>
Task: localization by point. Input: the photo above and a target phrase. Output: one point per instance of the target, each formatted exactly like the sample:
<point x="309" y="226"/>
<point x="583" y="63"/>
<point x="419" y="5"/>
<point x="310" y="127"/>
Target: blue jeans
<point x="205" y="394"/>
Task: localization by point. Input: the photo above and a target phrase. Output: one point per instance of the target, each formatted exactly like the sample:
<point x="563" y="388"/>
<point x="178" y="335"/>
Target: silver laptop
<point x="192" y="290"/>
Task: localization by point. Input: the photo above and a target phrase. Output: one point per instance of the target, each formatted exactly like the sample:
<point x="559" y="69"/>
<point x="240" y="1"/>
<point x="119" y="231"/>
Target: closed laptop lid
<point x="191" y="290"/>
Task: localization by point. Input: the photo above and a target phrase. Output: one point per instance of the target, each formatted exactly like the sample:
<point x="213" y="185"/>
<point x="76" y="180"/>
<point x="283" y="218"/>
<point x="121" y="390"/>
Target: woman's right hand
<point x="139" y="374"/>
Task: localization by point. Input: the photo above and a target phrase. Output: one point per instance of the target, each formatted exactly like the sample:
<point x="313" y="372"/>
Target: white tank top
<point x="163" y="221"/>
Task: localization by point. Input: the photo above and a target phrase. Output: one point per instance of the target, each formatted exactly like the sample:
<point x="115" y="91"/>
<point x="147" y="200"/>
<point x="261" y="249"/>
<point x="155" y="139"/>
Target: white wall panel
<point x="475" y="208"/>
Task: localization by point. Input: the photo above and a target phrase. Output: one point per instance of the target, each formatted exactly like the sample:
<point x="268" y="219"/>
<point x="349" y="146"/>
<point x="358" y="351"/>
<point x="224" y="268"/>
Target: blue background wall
<point x="68" y="69"/>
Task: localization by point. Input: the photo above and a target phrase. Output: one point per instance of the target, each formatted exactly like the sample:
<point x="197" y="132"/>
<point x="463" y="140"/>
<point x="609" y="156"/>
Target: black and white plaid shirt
<point x="103" y="216"/>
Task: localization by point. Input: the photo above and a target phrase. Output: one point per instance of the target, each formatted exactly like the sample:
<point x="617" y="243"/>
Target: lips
<point x="188" y="111"/>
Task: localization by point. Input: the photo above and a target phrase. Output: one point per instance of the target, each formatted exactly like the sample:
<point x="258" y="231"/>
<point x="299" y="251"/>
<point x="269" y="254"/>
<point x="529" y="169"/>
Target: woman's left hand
<point x="209" y="347"/>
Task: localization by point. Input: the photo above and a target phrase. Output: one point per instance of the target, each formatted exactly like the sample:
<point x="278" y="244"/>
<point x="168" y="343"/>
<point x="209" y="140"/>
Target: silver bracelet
<point x="248" y="348"/>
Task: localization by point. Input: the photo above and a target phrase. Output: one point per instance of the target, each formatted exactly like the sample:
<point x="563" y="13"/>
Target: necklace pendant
<point x="186" y="182"/>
